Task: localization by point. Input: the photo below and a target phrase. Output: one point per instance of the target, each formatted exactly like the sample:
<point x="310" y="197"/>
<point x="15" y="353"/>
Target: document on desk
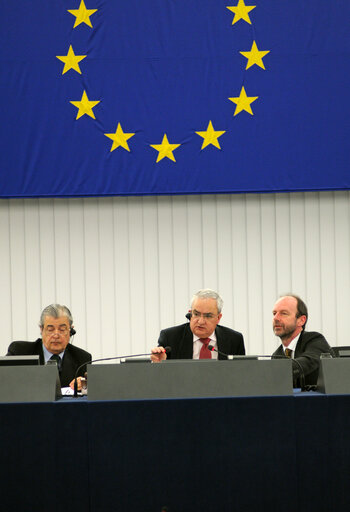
<point x="67" y="391"/>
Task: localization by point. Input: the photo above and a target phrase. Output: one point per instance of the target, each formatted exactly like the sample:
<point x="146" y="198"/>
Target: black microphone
<point x="301" y="372"/>
<point x="167" y="350"/>
<point x="294" y="361"/>
<point x="188" y="315"/>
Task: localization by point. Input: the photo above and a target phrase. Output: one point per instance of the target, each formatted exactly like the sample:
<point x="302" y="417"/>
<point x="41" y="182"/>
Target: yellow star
<point x="119" y="138"/>
<point x="85" y="106"/>
<point x="71" y="61"/>
<point x="243" y="102"/>
<point x="255" y="56"/>
<point x="82" y="14"/>
<point x="241" y="12"/>
<point x="165" y="149"/>
<point x="210" y="136"/>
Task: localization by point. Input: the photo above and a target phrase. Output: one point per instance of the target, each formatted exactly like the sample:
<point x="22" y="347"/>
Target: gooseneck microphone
<point x="301" y="372"/>
<point x="213" y="349"/>
<point x="166" y="349"/>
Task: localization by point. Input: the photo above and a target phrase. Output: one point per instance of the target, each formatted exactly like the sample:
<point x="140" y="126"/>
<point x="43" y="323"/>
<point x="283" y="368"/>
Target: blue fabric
<point x="166" y="67"/>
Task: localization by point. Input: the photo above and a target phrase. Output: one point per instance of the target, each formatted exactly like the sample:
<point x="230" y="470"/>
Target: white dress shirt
<point x="197" y="345"/>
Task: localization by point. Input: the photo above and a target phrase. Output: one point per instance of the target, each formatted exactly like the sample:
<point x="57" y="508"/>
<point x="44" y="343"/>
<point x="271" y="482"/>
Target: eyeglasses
<point x="206" y="316"/>
<point x="63" y="329"/>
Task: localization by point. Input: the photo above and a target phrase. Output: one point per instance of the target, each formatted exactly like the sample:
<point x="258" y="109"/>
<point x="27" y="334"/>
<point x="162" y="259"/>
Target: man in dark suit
<point x="289" y="319"/>
<point x="191" y="340"/>
<point x="56" y="326"/>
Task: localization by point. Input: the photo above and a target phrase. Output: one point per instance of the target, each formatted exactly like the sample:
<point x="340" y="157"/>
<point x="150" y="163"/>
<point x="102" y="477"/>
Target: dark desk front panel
<point x="227" y="454"/>
<point x="204" y="454"/>
<point x="44" y="456"/>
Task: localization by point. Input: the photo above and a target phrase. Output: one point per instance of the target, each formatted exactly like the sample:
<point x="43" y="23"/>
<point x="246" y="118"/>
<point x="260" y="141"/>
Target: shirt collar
<point x="292" y="345"/>
<point x="212" y="337"/>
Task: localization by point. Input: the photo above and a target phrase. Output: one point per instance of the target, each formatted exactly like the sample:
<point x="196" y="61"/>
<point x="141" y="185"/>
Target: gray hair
<point x="207" y="293"/>
<point x="55" y="310"/>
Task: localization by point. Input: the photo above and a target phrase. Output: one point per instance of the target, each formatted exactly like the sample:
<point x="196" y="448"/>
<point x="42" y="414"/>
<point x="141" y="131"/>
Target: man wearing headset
<point x="56" y="327"/>
<point x="202" y="337"/>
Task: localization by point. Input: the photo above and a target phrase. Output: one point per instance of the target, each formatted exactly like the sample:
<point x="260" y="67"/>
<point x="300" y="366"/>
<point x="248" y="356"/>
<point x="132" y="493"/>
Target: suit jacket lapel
<point x="186" y="349"/>
<point x="280" y="351"/>
<point x="221" y="343"/>
<point x="67" y="369"/>
<point x="299" y="345"/>
<point x="39" y="351"/>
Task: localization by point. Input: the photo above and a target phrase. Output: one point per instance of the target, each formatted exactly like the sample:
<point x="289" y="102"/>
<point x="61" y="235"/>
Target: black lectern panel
<point x="29" y="383"/>
<point x="190" y="379"/>
<point x="334" y="376"/>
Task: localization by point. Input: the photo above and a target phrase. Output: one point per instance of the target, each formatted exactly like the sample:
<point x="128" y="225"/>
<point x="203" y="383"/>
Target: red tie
<point x="205" y="353"/>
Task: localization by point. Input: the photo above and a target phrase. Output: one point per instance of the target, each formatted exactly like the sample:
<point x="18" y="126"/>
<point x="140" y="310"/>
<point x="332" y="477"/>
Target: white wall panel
<point x="269" y="241"/>
<point x="62" y="249"/>
<point x="127" y="267"/>
<point x="18" y="268"/>
<point x="32" y="266"/>
<point x="150" y="301"/>
<point x="254" y="271"/>
<point x="297" y="243"/>
<point x="124" y="316"/>
<point x="77" y="270"/>
<point x="166" y="259"/>
<point x="225" y="250"/>
<point x="313" y="261"/>
<point x="195" y="244"/>
<point x="239" y="316"/>
<point x="6" y="309"/>
<point x="137" y="273"/>
<point x="181" y="233"/>
<point x="48" y="241"/>
<point x="105" y="250"/>
<point x="342" y="268"/>
<point x="93" y="271"/>
<point x="328" y="269"/>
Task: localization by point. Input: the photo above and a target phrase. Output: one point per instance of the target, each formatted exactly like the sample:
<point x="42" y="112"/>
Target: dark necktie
<point x="205" y="352"/>
<point x="288" y="352"/>
<point x="56" y="357"/>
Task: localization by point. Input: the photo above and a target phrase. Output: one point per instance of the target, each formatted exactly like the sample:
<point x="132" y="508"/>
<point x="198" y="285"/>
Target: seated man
<point x="56" y="326"/>
<point x="289" y="319"/>
<point x="191" y="340"/>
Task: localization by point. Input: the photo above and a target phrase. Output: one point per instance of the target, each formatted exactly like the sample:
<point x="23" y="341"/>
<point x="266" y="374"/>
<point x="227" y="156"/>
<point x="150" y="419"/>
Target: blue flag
<point x="132" y="97"/>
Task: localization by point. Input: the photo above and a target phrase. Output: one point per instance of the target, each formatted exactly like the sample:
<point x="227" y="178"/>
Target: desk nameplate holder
<point x="29" y="383"/>
<point x="334" y="376"/>
<point x="190" y="379"/>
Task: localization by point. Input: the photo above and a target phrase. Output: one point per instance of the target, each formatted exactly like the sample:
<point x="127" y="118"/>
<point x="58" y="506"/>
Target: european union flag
<point x="102" y="97"/>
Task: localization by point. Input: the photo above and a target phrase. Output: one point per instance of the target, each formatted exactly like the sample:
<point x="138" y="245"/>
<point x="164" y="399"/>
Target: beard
<point x="284" y="332"/>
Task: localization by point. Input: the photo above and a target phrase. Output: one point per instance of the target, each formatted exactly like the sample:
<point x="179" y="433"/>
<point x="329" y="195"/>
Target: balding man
<point x="289" y="319"/>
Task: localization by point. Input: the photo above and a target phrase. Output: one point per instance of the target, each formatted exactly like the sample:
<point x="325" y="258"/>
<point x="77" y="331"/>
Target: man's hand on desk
<point x="80" y="380"/>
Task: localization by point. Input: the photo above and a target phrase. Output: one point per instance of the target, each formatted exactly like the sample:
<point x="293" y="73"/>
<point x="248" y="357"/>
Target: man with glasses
<point x="202" y="337"/>
<point x="56" y="326"/>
